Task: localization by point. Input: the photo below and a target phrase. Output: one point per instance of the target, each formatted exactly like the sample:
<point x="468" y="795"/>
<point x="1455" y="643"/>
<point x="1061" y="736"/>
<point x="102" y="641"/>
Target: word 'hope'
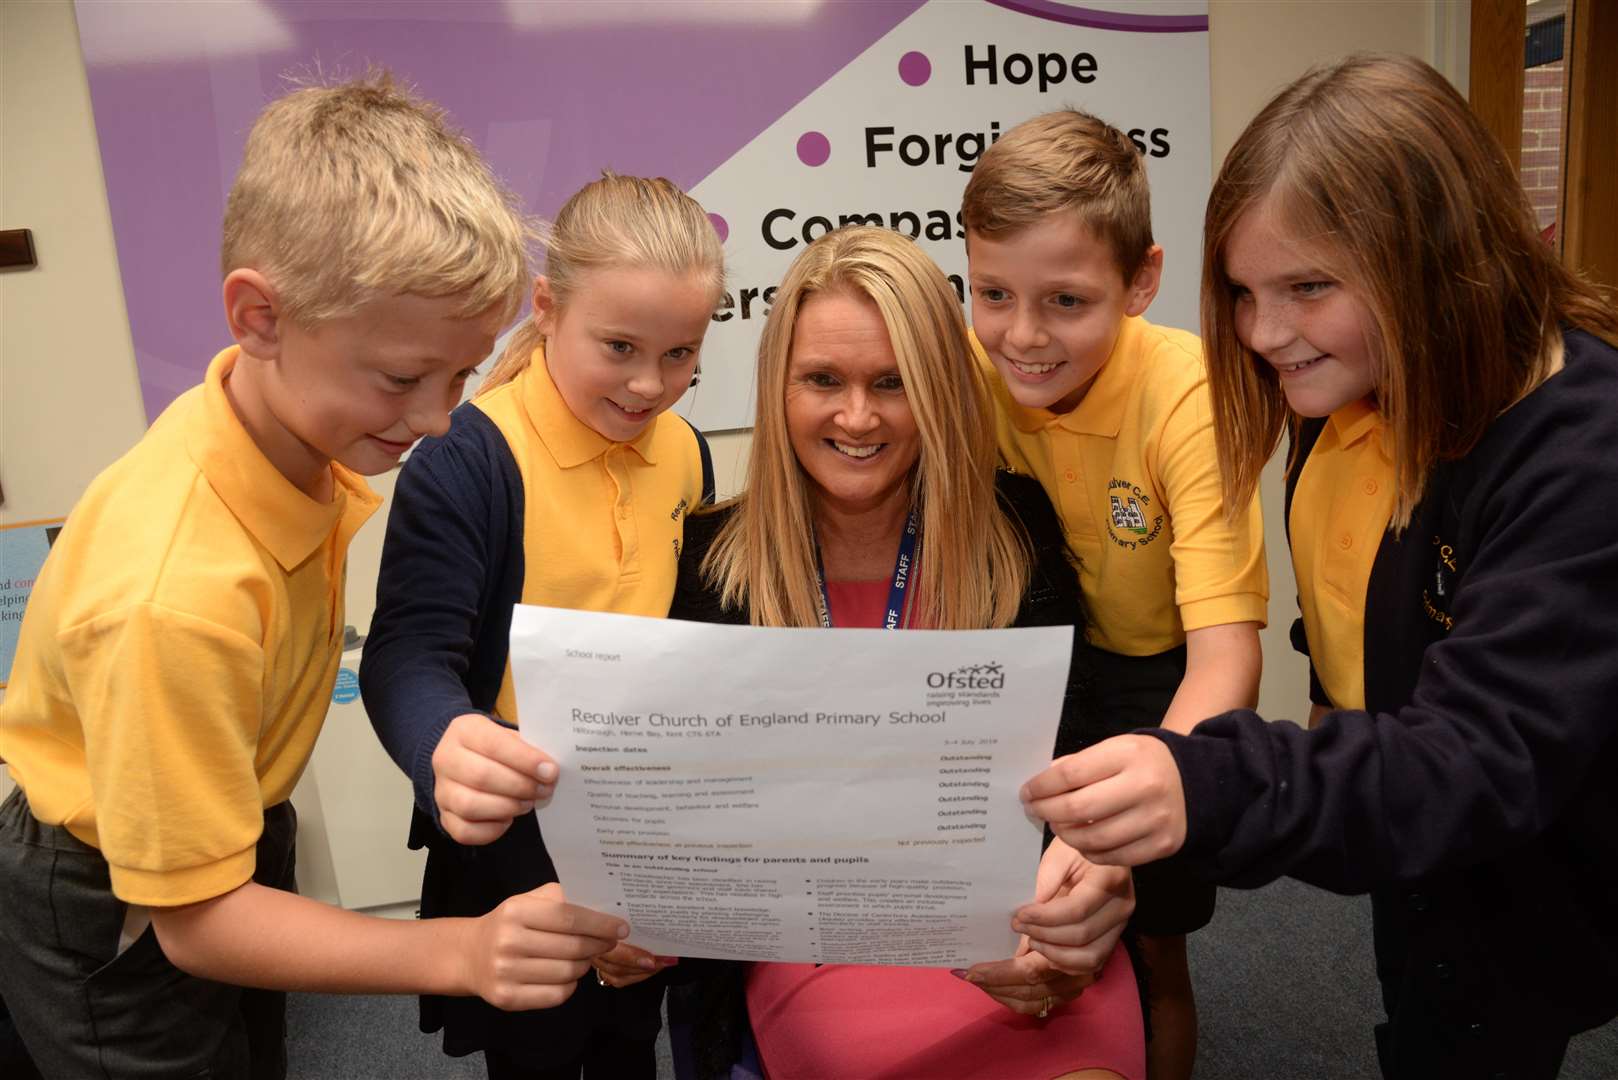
<point x="1017" y="68"/>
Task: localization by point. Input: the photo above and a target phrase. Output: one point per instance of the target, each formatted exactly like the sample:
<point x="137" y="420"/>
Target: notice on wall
<point x="891" y="139"/>
<point x="23" y="548"/>
<point x="785" y="119"/>
<point x="826" y="796"/>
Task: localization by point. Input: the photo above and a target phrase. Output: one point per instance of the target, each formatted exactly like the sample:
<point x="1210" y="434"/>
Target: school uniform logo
<point x="1435" y="601"/>
<point x="1132" y="518"/>
<point x="1128" y="517"/>
<point x="679" y="511"/>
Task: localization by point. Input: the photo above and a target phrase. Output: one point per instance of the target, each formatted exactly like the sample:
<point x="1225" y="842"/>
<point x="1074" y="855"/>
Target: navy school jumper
<point x="437" y="649"/>
<point x="1476" y="796"/>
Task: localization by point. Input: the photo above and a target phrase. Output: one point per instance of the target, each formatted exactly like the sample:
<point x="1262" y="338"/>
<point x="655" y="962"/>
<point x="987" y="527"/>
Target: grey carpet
<point x="1284" y="986"/>
<point x="1286" y="989"/>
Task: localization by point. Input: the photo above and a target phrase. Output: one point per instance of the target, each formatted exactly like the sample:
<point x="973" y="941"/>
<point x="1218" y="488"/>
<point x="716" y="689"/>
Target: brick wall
<point x="1541" y="168"/>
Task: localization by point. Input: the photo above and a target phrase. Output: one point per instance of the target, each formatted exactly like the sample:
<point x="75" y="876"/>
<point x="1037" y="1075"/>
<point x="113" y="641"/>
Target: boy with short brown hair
<point x="181" y="643"/>
<point x="1111" y="414"/>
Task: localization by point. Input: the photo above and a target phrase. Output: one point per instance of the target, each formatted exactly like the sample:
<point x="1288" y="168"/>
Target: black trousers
<point x="606" y="1058"/>
<point x="83" y="1008"/>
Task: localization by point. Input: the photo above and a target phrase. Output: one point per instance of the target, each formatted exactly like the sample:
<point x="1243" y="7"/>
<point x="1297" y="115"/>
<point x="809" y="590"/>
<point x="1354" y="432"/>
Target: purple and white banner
<point x="785" y="118"/>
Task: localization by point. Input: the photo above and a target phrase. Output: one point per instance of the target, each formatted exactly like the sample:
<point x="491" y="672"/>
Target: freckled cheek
<point x="1359" y="338"/>
<point x="989" y="327"/>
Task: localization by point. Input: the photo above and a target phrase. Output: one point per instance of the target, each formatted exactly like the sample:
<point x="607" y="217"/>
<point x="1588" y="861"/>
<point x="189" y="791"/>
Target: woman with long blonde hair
<point x="872" y="499"/>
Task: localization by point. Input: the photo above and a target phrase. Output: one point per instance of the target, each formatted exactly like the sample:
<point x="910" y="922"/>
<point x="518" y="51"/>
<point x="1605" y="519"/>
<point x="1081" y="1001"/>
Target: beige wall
<point x="69" y="400"/>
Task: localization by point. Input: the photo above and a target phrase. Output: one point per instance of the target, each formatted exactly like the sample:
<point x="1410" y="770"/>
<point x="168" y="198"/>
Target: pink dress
<point x="866" y="1023"/>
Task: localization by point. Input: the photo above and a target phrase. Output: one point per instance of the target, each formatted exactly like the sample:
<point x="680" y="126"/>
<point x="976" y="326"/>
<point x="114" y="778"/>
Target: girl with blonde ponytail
<point x="563" y="482"/>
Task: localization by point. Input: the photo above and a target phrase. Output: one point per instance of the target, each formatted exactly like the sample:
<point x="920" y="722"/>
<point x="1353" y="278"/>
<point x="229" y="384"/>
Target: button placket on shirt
<point x="1076" y="511"/>
<point x="623" y="511"/>
<point x="1344" y="533"/>
<point x="337" y="569"/>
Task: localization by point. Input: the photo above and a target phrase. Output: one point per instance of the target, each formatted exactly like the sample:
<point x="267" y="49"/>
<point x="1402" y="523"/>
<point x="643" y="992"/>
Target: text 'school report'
<point x="827" y="796"/>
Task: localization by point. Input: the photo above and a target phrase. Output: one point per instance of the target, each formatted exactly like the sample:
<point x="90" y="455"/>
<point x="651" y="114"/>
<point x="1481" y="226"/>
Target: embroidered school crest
<point x="1436" y="601"/>
<point x="1128" y="517"/>
<point x="1132" y="517"/>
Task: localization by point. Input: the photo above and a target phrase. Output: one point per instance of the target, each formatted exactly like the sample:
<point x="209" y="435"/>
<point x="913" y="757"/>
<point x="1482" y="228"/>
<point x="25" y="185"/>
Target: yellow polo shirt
<point x="602" y="520"/>
<point x="178" y="652"/>
<point x="1340" y="512"/>
<point x="1133" y="472"/>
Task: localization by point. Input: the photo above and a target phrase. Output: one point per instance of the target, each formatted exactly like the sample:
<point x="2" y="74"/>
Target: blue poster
<point x="23" y="549"/>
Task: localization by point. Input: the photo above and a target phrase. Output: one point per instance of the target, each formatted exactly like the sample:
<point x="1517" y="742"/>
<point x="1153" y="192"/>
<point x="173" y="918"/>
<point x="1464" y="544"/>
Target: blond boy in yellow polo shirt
<point x="1111" y="414"/>
<point x="181" y="643"/>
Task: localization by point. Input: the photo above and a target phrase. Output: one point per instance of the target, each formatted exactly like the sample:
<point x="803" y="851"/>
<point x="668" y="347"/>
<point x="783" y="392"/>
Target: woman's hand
<point x="1069" y="932"/>
<point x="1027" y="983"/>
<point x="484" y="775"/>
<point x="627" y="965"/>
<point x="1079" y="910"/>
<point x="1120" y="802"/>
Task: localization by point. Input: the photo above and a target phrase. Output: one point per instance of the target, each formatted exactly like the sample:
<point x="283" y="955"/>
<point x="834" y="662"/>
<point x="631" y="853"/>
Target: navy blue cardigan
<point x="437" y="646"/>
<point x="1475" y="797"/>
<point x="452" y="568"/>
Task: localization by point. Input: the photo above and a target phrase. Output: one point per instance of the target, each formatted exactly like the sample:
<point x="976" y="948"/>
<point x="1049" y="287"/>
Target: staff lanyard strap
<point x="897" y="600"/>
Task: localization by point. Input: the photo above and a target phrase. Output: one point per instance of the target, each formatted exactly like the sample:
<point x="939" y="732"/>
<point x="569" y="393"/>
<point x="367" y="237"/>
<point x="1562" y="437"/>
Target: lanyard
<point x="901" y="578"/>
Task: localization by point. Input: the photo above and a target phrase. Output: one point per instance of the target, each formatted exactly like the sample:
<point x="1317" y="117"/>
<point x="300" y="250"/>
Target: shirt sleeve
<point x="443" y="546"/>
<point x="1509" y="718"/>
<point x="171" y="706"/>
<point x="1219" y="571"/>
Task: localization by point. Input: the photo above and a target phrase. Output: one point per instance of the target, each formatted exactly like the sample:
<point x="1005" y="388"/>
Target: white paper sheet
<point x="837" y="796"/>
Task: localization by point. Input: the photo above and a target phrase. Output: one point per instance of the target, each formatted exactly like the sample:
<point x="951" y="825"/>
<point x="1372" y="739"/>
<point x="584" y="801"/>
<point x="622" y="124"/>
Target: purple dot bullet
<point x="915" y="68"/>
<point x="813" y="148"/>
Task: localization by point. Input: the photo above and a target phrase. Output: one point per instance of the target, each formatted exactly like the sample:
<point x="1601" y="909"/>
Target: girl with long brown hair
<point x="1374" y="284"/>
